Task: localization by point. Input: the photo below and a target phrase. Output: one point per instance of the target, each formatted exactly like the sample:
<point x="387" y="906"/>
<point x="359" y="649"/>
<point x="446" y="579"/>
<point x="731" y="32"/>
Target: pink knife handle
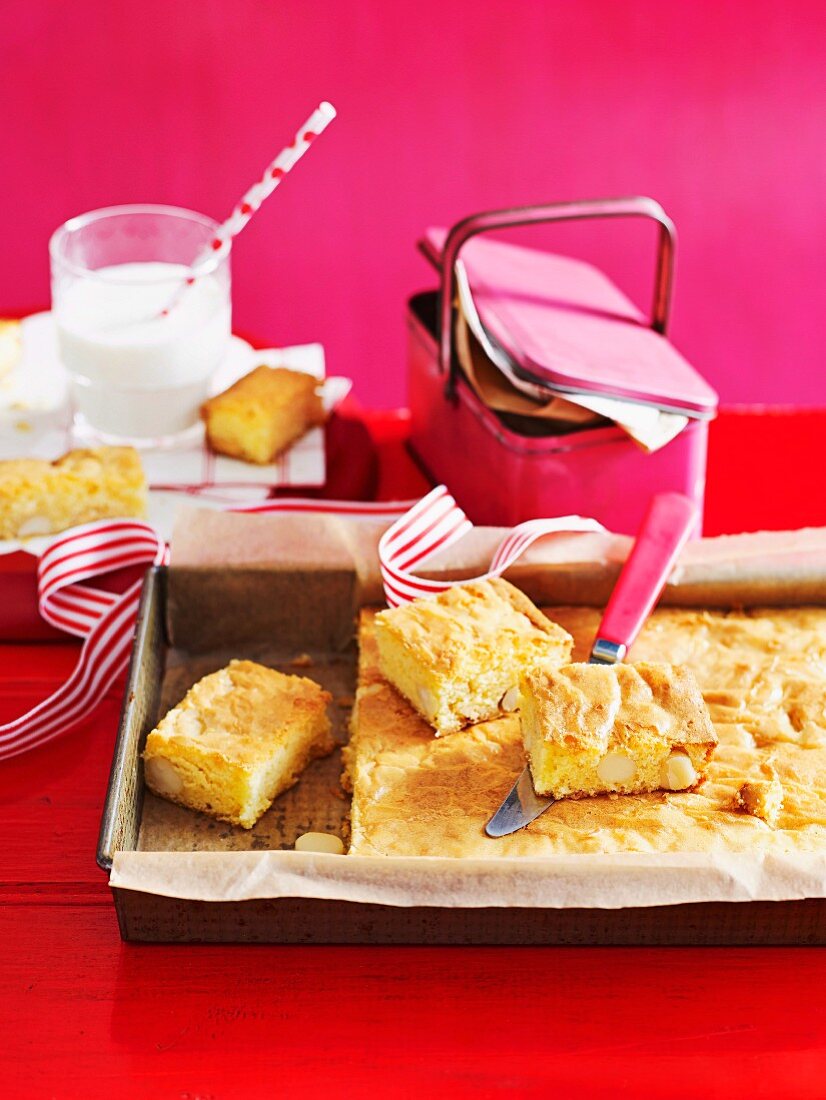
<point x="668" y="523"/>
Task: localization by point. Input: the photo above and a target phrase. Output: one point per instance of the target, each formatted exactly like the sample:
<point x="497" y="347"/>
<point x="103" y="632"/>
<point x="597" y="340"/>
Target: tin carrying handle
<point x="634" y="207"/>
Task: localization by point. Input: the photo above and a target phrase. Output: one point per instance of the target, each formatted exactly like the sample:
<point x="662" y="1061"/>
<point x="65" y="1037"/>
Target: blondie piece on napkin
<point x="40" y="498"/>
<point x="239" y="738"/>
<point x="457" y="657"/>
<point x="261" y="414"/>
<point x="594" y="729"/>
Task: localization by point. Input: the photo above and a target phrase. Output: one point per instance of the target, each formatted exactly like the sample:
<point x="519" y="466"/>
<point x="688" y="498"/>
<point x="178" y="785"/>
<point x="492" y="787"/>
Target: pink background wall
<point x="716" y="108"/>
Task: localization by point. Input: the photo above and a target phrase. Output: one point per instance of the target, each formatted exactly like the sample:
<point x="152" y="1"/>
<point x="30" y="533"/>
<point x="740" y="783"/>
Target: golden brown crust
<point x="272" y="387"/>
<point x="417" y="795"/>
<point x="443" y="631"/>
<point x="242" y="711"/>
<point x="522" y="605"/>
<point x="584" y="706"/>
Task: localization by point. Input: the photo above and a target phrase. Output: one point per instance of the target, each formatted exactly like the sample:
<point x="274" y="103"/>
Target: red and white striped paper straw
<point x="106" y="620"/>
<point x="274" y="173"/>
<point x="437" y="522"/>
<point x="251" y="201"/>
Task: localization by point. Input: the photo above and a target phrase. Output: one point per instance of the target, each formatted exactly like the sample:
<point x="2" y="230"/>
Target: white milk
<point x="134" y="373"/>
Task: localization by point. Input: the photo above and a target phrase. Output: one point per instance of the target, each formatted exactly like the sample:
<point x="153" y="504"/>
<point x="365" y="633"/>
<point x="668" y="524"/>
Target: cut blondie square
<point x="596" y="729"/>
<point x="239" y="738"/>
<point x="457" y="658"/>
<point x="261" y="414"/>
<point x="38" y="497"/>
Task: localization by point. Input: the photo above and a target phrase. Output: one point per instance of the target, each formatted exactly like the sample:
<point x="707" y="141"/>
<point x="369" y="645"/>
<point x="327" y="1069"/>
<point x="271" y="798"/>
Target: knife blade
<point x="667" y="524"/>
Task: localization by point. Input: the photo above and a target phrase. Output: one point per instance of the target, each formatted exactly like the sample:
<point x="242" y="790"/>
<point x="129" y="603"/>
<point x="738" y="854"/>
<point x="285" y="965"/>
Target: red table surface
<point x="83" y="1014"/>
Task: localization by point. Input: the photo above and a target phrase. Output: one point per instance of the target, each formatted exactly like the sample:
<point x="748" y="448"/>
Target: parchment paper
<point x="768" y="568"/>
<point x="558" y="882"/>
<point x="224" y="566"/>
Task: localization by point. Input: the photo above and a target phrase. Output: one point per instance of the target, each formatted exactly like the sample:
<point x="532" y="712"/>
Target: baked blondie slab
<point x="38" y="497"/>
<point x="763" y="676"/>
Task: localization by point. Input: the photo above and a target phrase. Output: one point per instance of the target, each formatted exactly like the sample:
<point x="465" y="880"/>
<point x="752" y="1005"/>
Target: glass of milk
<point x="140" y="330"/>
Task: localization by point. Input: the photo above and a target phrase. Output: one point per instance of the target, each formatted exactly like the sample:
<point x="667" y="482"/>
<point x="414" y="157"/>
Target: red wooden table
<point x="84" y="1015"/>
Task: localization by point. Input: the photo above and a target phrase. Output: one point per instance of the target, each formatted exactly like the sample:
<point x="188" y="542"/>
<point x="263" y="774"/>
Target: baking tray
<point x="135" y="820"/>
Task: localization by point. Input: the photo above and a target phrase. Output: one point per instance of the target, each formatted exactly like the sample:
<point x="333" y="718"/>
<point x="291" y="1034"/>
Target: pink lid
<point x="566" y="324"/>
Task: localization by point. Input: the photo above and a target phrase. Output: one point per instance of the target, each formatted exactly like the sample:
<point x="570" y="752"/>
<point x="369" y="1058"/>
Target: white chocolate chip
<point x="510" y="700"/>
<point x="188" y="724"/>
<point x="34" y="525"/>
<point x="320" y="842"/>
<point x="677" y="772"/>
<point x="162" y="777"/>
<point x="222" y="683"/>
<point x="616" y="767"/>
<point x="427" y="702"/>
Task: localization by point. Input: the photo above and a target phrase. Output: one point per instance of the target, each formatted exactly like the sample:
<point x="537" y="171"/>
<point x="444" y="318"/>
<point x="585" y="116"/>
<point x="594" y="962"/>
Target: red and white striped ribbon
<point x="106" y="620"/>
<point x="437" y="522"/>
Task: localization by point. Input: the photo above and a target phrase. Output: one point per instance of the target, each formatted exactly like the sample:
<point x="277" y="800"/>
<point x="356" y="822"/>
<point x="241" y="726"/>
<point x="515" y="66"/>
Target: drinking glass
<point x="140" y="330"/>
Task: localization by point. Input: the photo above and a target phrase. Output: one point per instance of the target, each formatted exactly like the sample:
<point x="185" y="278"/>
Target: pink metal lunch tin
<point x="574" y="332"/>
